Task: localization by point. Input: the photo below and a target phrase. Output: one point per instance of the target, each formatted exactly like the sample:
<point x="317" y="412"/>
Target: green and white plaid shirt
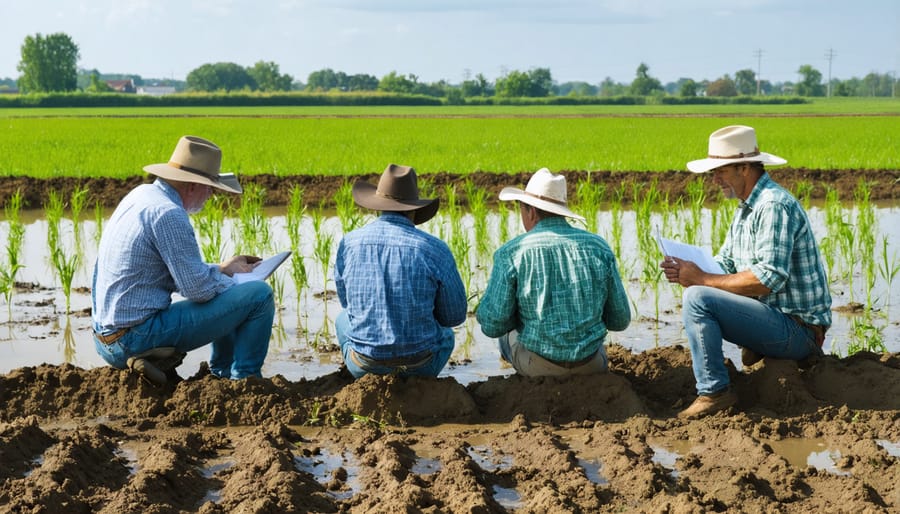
<point x="771" y="236"/>
<point x="559" y="287"/>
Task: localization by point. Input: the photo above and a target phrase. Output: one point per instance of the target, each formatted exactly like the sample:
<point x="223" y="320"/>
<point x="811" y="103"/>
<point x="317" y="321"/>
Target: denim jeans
<point x="530" y="364"/>
<point x="440" y="354"/>
<point x="238" y="323"/>
<point x="711" y="315"/>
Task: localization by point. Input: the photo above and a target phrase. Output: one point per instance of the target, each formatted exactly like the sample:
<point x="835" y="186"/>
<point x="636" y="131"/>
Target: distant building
<point x="121" y="86"/>
<point x="156" y="90"/>
<point x="4" y="90"/>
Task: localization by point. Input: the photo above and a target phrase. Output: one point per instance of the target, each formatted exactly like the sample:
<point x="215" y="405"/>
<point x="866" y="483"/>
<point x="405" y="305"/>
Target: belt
<point x="573" y="364"/>
<point x="111" y="338"/>
<point x="818" y="330"/>
<point x="411" y="362"/>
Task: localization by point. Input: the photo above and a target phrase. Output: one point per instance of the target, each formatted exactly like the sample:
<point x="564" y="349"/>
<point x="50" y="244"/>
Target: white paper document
<point x="263" y="269"/>
<point x="699" y="255"/>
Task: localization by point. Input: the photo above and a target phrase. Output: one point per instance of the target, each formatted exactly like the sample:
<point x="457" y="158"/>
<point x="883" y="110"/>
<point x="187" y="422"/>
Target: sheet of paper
<point x="699" y="255"/>
<point x="263" y="269"/>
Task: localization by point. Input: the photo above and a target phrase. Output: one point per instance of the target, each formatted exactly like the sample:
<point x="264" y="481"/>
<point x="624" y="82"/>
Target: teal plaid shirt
<point x="771" y="236"/>
<point x="558" y="286"/>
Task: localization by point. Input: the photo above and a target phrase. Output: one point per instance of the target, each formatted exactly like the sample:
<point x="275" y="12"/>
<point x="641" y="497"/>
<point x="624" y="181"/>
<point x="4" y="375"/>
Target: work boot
<point x="707" y="404"/>
<point x="157" y="365"/>
<point x="749" y="357"/>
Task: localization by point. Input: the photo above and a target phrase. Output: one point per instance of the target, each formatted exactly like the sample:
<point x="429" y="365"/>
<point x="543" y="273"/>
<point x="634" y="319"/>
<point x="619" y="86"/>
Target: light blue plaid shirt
<point x="558" y="286"/>
<point x="148" y="251"/>
<point x="771" y="236"/>
<point x="399" y="286"/>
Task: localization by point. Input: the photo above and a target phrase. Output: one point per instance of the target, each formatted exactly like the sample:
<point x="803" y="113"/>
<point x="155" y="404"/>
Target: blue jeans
<point x="238" y="323"/>
<point x="711" y="315"/>
<point x="439" y="355"/>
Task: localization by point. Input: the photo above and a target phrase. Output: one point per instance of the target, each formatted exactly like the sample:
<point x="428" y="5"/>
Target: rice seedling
<point x="351" y="218"/>
<point x="866" y="227"/>
<point x="15" y="238"/>
<point x="502" y="222"/>
<point x="888" y="266"/>
<point x="53" y="209"/>
<point x="209" y="222"/>
<point x="322" y="254"/>
<point x="66" y="266"/>
<point x="98" y="222"/>
<point x="293" y="220"/>
<point x="77" y="201"/>
<point x="803" y="192"/>
<point x="252" y="222"/>
<point x="478" y="209"/>
<point x="589" y="197"/>
<point x="697" y="198"/>
<point x="865" y="335"/>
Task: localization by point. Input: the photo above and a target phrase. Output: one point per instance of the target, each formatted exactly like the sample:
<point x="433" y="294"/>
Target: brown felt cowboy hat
<point x="728" y="145"/>
<point x="397" y="191"/>
<point x="196" y="160"/>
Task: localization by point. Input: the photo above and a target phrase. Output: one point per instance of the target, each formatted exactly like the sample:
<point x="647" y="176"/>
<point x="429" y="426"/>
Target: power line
<point x="758" y="54"/>
<point x="830" y="56"/>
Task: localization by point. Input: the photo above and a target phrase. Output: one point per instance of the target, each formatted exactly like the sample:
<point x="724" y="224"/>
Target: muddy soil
<point x="85" y="440"/>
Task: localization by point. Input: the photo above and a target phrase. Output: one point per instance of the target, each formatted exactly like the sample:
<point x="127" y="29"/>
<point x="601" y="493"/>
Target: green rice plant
<point x="294" y="216"/>
<point x="866" y="229"/>
<point x="803" y="191"/>
<point x="253" y="224"/>
<point x="590" y="196"/>
<point x="720" y="221"/>
<point x="77" y="201"/>
<point x="502" y="222"/>
<point x="53" y="209"/>
<point x="350" y="216"/>
<point x="888" y="266"/>
<point x="15" y="238"/>
<point x="98" y="222"/>
<point x="615" y="210"/>
<point x="66" y="266"/>
<point x="7" y="285"/>
<point x="209" y="222"/>
<point x="834" y="220"/>
<point x="478" y="208"/>
<point x="322" y="254"/>
<point x="696" y="190"/>
<point x="865" y="335"/>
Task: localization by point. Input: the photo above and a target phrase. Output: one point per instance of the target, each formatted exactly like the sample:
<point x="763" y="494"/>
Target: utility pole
<point x="758" y="54"/>
<point x="829" y="55"/>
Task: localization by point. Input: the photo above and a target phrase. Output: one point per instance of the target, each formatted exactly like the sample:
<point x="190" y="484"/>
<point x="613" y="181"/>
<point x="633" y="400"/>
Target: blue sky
<point x="442" y="39"/>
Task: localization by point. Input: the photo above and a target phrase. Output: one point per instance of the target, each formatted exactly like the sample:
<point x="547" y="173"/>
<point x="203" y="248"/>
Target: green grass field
<point x="832" y="134"/>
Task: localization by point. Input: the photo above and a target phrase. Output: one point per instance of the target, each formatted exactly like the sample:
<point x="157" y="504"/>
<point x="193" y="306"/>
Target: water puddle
<point x="508" y="498"/>
<point x="588" y="458"/>
<point x="130" y="455"/>
<point x="893" y="449"/>
<point x="809" y="452"/>
<point x="214" y="467"/>
<point x="426" y="466"/>
<point x="326" y="464"/>
<point x="486" y="459"/>
<point x="667" y="452"/>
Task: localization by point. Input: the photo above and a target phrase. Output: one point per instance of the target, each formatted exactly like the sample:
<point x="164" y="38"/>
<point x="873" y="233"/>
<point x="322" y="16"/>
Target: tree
<point x="610" y="87"/>
<point x="395" y="83"/>
<point x="688" y="88"/>
<point x="721" y="87"/>
<point x="97" y="85"/>
<point x="745" y="82"/>
<point x="811" y="83"/>
<point x="361" y="82"/>
<point x="268" y="78"/>
<point x="479" y="86"/>
<point x="643" y="84"/>
<point x="221" y="76"/>
<point x="48" y="63"/>
<point x="515" y="83"/>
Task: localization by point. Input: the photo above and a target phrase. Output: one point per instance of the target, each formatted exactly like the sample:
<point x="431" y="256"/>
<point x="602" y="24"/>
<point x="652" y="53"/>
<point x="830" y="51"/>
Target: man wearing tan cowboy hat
<point x="399" y="286"/>
<point x="149" y="251"/>
<point x="555" y="290"/>
<point x="772" y="298"/>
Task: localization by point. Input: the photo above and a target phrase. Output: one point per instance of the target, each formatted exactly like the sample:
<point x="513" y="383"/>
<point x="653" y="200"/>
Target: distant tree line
<point x="48" y="64"/>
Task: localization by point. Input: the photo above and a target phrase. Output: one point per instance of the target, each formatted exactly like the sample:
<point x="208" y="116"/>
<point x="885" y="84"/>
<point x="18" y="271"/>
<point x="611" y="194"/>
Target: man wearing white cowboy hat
<point x="554" y="291"/>
<point x="399" y="286"/>
<point x="772" y="299"/>
<point x="149" y="251"/>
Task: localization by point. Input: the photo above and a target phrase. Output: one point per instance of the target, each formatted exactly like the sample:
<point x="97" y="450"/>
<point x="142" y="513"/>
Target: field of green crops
<point x="346" y="141"/>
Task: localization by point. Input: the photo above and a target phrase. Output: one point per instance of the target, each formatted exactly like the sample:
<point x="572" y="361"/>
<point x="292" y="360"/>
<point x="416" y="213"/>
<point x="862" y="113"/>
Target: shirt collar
<point x="169" y="191"/>
<point x="552" y="222"/>
<point x="396" y="218"/>
<point x="761" y="184"/>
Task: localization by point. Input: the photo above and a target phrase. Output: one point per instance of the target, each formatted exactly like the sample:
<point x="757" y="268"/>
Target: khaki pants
<point x="531" y="364"/>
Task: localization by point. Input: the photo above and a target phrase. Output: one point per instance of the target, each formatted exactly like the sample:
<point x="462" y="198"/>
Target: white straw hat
<point x="735" y="143"/>
<point x="545" y="191"/>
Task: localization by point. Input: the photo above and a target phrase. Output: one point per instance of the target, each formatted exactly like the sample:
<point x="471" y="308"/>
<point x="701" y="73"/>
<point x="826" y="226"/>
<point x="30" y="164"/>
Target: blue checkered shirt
<point x="149" y="251"/>
<point x="559" y="287"/>
<point x="399" y="286"/>
<point x="771" y="236"/>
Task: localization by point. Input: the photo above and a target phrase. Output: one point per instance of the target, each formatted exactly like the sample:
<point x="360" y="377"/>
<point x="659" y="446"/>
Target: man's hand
<point x="682" y="272"/>
<point x="239" y="264"/>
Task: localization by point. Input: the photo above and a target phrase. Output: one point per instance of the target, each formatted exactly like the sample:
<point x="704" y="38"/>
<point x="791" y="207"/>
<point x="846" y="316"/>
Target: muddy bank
<point x="80" y="440"/>
<point x="321" y="189"/>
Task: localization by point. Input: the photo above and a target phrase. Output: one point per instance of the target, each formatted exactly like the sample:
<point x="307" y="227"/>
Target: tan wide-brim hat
<point x="545" y="191"/>
<point x="397" y="191"/>
<point x="735" y="143"/>
<point x="196" y="160"/>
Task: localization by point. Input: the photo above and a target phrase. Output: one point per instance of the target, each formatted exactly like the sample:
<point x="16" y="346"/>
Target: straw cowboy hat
<point x="545" y="191"/>
<point x="196" y="160"/>
<point x="735" y="143"/>
<point x="397" y="191"/>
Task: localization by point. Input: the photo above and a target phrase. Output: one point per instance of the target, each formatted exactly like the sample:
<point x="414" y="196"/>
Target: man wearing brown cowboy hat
<point x="149" y="251"/>
<point x="772" y="298"/>
<point x="554" y="291"/>
<point x="399" y="286"/>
